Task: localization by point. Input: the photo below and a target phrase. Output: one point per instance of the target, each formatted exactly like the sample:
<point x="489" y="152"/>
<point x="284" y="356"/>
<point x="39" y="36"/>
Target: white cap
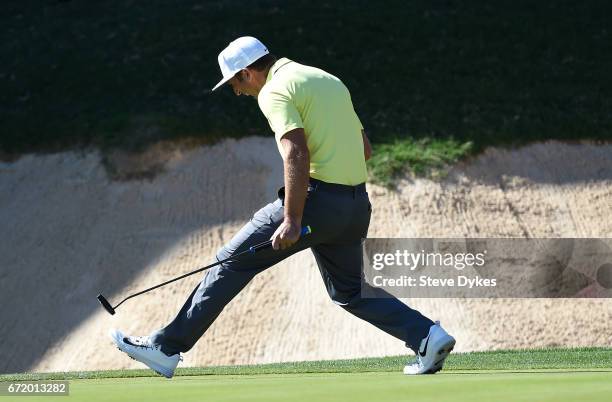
<point x="239" y="54"/>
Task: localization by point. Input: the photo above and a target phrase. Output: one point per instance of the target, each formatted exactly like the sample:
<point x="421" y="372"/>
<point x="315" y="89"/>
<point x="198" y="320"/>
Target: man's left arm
<point x="296" y="161"/>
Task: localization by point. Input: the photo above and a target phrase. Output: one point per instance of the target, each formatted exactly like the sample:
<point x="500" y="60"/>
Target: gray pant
<point x="339" y="217"/>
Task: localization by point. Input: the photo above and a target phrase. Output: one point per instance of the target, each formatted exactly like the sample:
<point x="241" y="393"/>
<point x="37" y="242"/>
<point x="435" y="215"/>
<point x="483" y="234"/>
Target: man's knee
<point x="244" y="265"/>
<point x="222" y="254"/>
<point x="347" y="299"/>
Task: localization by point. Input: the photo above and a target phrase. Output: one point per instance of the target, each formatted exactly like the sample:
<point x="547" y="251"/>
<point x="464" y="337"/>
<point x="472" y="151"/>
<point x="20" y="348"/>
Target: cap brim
<point x="223" y="81"/>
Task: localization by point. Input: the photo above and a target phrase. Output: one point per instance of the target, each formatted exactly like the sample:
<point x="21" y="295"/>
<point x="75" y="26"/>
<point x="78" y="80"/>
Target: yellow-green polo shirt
<point x="299" y="96"/>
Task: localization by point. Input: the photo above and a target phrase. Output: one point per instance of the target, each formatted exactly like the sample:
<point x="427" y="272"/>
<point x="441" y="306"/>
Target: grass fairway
<point x="466" y="386"/>
<point x="525" y="375"/>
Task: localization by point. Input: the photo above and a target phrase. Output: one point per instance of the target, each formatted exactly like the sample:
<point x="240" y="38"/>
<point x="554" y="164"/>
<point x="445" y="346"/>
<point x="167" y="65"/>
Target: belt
<point x="319" y="185"/>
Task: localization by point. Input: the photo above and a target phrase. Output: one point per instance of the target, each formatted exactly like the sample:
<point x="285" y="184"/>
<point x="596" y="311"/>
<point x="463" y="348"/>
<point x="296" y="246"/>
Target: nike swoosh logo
<point x="424" y="352"/>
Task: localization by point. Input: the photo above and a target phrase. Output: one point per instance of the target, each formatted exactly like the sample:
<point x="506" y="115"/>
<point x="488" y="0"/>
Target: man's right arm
<point x="367" y="148"/>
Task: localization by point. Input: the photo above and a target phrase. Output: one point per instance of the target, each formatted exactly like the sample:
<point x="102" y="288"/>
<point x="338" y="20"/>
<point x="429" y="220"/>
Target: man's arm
<point x="367" y="148"/>
<point x="296" y="161"/>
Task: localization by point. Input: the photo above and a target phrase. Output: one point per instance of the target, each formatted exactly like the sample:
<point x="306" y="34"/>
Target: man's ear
<point x="239" y="76"/>
<point x="246" y="75"/>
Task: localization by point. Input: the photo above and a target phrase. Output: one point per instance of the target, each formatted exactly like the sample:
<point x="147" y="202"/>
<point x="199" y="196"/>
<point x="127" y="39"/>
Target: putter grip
<point x="253" y="249"/>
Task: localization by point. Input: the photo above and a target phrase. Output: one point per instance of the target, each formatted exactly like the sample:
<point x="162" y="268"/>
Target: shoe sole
<point x="442" y="354"/>
<point x="151" y="364"/>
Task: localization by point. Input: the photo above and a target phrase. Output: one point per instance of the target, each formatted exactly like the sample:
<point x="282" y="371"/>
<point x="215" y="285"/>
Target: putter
<point x="252" y="250"/>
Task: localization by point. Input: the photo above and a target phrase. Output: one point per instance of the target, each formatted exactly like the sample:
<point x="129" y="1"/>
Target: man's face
<point x="242" y="83"/>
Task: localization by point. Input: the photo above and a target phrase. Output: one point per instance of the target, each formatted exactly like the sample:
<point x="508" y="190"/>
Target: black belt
<point x="319" y="185"/>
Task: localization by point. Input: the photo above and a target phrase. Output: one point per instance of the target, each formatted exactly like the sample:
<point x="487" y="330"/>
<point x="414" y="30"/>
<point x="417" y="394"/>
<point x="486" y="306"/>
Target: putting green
<point x="542" y="385"/>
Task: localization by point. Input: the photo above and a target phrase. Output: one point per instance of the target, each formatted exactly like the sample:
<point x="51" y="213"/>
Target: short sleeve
<point x="359" y="121"/>
<point x="280" y="111"/>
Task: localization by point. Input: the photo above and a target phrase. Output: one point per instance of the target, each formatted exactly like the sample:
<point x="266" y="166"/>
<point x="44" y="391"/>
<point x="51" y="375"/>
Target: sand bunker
<point x="69" y="232"/>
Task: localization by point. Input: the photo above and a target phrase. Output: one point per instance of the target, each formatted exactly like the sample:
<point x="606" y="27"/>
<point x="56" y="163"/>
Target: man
<point x="324" y="150"/>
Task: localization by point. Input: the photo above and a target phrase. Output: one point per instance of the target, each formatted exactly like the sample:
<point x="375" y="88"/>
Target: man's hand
<point x="286" y="234"/>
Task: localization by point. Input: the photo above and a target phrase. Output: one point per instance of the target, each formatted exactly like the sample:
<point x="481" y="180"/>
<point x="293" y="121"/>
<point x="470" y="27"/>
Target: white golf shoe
<point x="140" y="348"/>
<point x="434" y="349"/>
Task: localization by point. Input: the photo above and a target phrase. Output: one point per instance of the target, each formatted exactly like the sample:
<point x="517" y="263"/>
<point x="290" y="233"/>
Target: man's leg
<point x="340" y="259"/>
<point x="225" y="281"/>
<point x="340" y="266"/>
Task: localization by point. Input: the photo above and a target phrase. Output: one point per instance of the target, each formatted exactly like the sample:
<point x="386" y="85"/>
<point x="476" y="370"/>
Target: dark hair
<point x="263" y="63"/>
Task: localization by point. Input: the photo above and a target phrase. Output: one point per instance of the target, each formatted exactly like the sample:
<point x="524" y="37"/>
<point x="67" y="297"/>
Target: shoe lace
<point x="145" y="342"/>
<point x="142" y="342"/>
<point x="418" y="362"/>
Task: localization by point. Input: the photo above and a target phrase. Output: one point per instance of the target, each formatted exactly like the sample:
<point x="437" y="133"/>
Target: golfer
<point x="324" y="150"/>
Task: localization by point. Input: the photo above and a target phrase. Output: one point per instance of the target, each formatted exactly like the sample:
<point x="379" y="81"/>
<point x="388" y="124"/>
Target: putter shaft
<point x="253" y="249"/>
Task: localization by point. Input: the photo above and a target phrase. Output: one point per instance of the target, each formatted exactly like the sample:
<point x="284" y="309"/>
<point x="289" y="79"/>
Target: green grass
<point x="356" y="387"/>
<point x="534" y="359"/>
<point x="423" y="157"/>
<point x="426" y="77"/>
<point x="554" y="374"/>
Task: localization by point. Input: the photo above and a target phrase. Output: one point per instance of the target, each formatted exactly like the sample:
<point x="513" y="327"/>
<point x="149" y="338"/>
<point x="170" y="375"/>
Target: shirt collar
<point x="276" y="66"/>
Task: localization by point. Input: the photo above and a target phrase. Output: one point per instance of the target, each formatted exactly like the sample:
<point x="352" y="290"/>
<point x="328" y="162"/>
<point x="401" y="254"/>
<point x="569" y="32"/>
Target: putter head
<point x="107" y="306"/>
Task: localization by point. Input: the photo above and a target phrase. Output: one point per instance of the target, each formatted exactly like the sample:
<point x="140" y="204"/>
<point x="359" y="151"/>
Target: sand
<point x="69" y="232"/>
